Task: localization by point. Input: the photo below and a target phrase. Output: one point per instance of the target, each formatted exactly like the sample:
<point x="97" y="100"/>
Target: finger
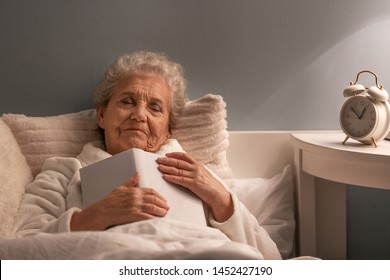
<point x="174" y="171"/>
<point x="148" y="192"/>
<point x="144" y="203"/>
<point x="181" y="156"/>
<point x="154" y="210"/>
<point x="157" y="201"/>
<point x="133" y="181"/>
<point x="178" y="163"/>
<point x="186" y="182"/>
<point x="154" y="204"/>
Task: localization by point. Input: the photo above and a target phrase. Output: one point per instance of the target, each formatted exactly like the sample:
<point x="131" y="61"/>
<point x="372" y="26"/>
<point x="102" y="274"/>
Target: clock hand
<point x="353" y="110"/>
<point x="361" y="115"/>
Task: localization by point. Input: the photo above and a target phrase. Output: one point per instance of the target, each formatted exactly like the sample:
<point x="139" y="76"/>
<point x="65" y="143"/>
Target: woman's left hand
<point x="182" y="169"/>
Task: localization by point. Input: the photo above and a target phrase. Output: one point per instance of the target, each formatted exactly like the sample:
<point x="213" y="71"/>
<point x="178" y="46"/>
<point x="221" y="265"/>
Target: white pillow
<point x="271" y="201"/>
<point x="40" y="138"/>
<point x="202" y="132"/>
<point x="15" y="174"/>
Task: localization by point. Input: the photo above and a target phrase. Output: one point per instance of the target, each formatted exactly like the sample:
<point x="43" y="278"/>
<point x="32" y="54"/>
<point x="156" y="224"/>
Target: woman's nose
<point x="139" y="113"/>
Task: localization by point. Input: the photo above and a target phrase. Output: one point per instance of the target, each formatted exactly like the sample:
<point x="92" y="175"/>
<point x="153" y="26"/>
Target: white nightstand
<point x="324" y="166"/>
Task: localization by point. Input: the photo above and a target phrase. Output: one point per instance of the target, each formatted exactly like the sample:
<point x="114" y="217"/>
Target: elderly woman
<point x="137" y="104"/>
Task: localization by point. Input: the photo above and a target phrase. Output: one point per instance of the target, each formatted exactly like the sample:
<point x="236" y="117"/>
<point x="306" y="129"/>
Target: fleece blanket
<point x="152" y="239"/>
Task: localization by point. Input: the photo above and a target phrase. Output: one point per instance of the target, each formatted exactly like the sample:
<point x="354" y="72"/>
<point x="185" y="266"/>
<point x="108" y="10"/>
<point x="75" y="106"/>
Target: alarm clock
<point x="365" y="116"/>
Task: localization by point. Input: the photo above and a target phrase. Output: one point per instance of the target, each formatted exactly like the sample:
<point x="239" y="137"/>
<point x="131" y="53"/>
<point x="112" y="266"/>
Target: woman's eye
<point x="127" y="101"/>
<point x="156" y="107"/>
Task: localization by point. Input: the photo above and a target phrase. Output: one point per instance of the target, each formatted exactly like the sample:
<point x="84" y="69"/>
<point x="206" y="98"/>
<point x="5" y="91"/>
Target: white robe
<point x="55" y="194"/>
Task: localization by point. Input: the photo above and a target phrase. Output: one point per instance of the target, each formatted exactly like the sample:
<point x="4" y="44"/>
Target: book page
<point x="184" y="205"/>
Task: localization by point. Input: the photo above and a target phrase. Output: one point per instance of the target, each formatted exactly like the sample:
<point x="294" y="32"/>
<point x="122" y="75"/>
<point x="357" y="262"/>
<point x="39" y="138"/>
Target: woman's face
<point x="137" y="114"/>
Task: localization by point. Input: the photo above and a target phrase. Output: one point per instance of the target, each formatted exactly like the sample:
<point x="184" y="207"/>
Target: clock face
<point x="358" y="117"/>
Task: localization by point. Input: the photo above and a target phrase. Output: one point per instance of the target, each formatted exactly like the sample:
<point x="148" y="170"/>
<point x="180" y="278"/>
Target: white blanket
<point x="152" y="239"/>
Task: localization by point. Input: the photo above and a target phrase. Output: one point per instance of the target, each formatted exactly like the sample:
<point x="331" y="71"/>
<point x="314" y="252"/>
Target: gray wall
<point x="279" y="64"/>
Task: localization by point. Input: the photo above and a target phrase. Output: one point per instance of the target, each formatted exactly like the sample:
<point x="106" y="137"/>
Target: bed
<point x="258" y="165"/>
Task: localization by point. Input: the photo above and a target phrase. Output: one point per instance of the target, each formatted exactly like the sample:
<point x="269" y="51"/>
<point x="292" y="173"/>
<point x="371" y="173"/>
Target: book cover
<point x="102" y="177"/>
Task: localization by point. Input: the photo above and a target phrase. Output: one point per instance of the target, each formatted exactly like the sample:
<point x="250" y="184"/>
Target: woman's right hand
<point x="125" y="204"/>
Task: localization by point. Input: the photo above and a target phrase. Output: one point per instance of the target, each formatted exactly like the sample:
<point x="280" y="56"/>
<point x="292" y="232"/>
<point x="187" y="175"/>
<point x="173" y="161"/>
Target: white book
<point x="102" y="177"/>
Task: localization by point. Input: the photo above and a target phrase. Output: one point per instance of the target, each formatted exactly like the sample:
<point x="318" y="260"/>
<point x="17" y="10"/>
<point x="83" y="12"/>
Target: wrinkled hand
<point x="125" y="204"/>
<point x="182" y="169"/>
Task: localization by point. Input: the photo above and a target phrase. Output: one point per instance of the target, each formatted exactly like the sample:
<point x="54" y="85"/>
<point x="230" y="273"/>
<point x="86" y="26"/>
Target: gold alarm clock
<point x="365" y="116"/>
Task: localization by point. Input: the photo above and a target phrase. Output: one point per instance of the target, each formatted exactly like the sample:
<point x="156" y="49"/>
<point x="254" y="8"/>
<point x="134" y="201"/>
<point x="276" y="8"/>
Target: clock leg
<point x="373" y="142"/>
<point x="345" y="140"/>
